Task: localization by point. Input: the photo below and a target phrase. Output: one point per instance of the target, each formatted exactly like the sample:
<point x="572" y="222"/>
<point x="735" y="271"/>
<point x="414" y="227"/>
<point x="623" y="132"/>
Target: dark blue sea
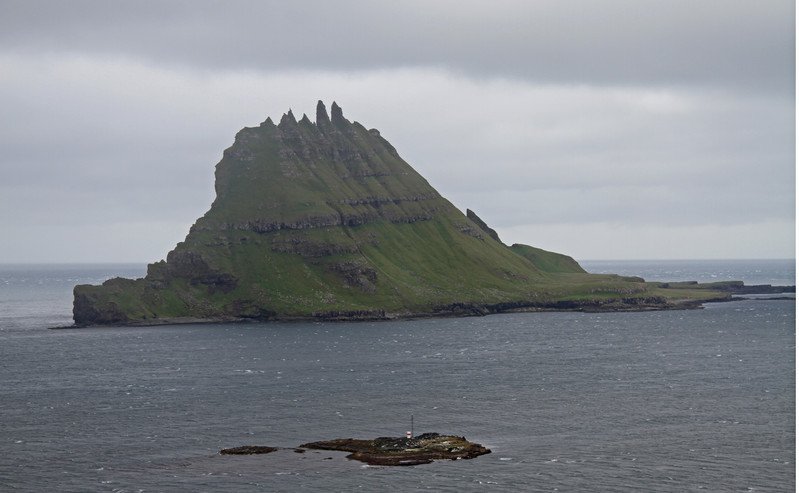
<point x="698" y="400"/>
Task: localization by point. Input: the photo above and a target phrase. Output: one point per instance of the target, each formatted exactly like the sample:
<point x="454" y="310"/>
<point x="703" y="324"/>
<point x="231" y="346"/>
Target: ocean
<point x="696" y="400"/>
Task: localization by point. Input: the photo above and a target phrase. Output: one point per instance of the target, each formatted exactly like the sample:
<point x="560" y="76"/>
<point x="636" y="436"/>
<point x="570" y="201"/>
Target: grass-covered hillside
<point x="324" y="219"/>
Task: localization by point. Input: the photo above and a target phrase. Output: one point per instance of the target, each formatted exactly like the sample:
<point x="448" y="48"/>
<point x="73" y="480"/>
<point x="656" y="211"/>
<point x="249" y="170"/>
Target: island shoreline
<point x="463" y="310"/>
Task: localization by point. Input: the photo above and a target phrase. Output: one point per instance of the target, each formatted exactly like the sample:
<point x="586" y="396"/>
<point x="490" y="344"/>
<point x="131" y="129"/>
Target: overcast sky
<point x="603" y="129"/>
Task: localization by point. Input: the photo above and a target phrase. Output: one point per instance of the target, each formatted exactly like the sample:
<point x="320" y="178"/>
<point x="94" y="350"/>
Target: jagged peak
<point x="336" y="115"/>
<point x="321" y="115"/>
<point x="305" y="120"/>
<point x="288" y="118"/>
<point x="268" y="122"/>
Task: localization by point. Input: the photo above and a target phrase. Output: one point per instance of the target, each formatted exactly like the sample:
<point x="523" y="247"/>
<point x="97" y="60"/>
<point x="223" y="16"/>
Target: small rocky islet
<point x="387" y="451"/>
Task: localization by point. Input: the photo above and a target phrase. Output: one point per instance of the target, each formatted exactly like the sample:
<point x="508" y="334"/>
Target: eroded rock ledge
<point x="388" y="451"/>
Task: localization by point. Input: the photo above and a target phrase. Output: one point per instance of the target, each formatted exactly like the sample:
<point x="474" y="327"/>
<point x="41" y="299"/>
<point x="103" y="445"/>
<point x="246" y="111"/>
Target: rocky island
<point x="387" y="451"/>
<point x="325" y="221"/>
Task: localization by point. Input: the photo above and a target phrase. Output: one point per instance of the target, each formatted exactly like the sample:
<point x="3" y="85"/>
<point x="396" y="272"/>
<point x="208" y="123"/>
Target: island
<point x="323" y="220"/>
<point x="387" y="451"/>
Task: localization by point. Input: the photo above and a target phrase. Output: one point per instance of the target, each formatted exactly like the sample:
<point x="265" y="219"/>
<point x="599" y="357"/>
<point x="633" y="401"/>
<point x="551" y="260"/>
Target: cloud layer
<point x="605" y="129"/>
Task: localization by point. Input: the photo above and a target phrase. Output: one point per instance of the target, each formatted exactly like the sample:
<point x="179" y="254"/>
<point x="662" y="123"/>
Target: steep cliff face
<point x="324" y="219"/>
<point x="301" y="175"/>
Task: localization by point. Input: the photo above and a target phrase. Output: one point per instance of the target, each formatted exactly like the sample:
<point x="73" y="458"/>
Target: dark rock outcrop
<point x="248" y="450"/>
<point x="398" y="451"/>
<point x="476" y="219"/>
<point x="738" y="287"/>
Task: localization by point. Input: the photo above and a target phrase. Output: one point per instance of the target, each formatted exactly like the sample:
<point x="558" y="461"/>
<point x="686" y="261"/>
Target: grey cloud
<point x="543" y="117"/>
<point x="692" y="204"/>
<point x="731" y="43"/>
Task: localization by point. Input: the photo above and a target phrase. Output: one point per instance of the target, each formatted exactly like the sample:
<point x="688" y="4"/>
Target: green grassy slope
<point x="326" y="220"/>
<point x="548" y="261"/>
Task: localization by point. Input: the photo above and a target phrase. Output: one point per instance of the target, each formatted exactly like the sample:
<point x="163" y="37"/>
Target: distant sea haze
<point x="651" y="401"/>
<point x="777" y="272"/>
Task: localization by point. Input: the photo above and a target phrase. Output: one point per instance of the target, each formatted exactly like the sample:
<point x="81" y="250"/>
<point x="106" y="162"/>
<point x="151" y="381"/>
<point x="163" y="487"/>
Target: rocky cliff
<point x="325" y="220"/>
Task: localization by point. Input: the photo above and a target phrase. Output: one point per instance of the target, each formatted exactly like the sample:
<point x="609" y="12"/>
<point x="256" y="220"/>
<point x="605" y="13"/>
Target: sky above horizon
<point x="612" y="129"/>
